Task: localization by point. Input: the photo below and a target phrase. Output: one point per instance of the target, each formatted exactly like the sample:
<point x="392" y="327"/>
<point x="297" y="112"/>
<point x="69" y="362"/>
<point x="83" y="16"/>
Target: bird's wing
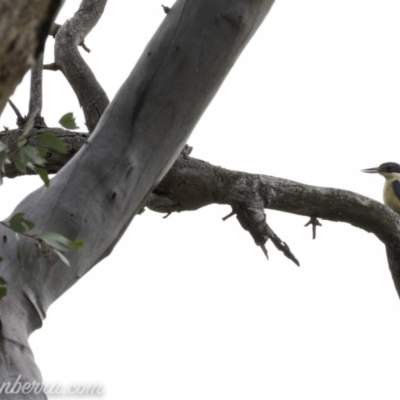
<point x="396" y="188"/>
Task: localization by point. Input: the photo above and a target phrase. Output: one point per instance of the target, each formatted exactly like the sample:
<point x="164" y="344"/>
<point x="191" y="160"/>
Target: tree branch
<point x="192" y="183"/>
<point x="20" y="119"/>
<point x="54" y="161"/>
<point x="69" y="36"/>
<point x="36" y="92"/>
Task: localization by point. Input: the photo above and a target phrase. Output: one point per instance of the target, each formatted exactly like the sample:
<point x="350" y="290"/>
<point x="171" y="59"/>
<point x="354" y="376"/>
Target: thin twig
<point x="85" y="47"/>
<point x="20" y="118"/>
<point x="264" y="249"/>
<point x="34" y="237"/>
<point x="51" y="67"/>
<point x="231" y="214"/>
<point x="314" y="222"/>
<point x="166" y="9"/>
<point x="282" y="246"/>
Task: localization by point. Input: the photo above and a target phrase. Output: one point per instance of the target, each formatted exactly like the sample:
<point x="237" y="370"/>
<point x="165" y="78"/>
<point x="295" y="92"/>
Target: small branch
<point x="282" y="246"/>
<point x="187" y="150"/>
<point x="36" y="92"/>
<point x="85" y="47"/>
<point x="166" y="9"/>
<point x="90" y="94"/>
<point x="231" y="214"/>
<point x="20" y="118"/>
<point x="54" y="29"/>
<point x="30" y="236"/>
<point x="252" y="219"/>
<point x="264" y="249"/>
<point x="314" y="222"/>
<point x="51" y="67"/>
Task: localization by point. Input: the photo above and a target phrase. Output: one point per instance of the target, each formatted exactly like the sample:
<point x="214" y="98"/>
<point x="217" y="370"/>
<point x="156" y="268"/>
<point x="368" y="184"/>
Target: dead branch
<point x="67" y="58"/>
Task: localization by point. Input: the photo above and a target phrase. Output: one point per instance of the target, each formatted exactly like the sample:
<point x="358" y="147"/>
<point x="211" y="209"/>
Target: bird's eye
<point x="389" y="169"/>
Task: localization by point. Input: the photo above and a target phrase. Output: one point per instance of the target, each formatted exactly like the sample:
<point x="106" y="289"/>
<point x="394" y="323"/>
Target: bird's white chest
<point x="389" y="196"/>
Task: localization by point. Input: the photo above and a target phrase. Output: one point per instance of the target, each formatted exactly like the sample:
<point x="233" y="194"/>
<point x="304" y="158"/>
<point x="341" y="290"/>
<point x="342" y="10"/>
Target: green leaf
<point x="78" y="243"/>
<point x="57" y="241"/>
<point x="60" y="243"/>
<point x="19" y="224"/>
<point x="42" y="151"/>
<point x="62" y="257"/>
<point x="52" y="142"/>
<point x="20" y="161"/>
<point x="27" y="157"/>
<point x="30" y="153"/>
<point x="29" y="123"/>
<point x="68" y="121"/>
<point x="2" y="281"/>
<point x="44" y="176"/>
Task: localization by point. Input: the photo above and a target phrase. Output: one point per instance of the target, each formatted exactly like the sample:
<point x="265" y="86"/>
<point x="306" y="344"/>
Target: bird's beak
<point x="371" y="170"/>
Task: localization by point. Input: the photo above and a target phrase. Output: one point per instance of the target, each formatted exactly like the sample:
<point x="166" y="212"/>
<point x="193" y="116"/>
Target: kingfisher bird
<point x="391" y="191"/>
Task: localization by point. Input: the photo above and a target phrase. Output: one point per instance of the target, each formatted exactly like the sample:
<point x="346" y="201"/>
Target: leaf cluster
<point x="58" y="243"/>
<point x="25" y="156"/>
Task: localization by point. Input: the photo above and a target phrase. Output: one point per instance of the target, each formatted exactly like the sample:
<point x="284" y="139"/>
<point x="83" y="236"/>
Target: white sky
<point x="188" y="307"/>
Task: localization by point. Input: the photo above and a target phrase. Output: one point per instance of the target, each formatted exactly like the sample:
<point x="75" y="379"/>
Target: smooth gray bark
<point x="139" y="136"/>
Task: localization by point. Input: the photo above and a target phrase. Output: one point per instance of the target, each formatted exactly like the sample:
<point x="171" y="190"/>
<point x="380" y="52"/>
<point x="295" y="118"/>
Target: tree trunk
<point x="141" y="133"/>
